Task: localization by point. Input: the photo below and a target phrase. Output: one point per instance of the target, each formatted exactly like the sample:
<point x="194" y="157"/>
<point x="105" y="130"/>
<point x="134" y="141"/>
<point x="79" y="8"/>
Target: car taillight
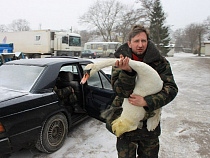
<point x="1" y="128"/>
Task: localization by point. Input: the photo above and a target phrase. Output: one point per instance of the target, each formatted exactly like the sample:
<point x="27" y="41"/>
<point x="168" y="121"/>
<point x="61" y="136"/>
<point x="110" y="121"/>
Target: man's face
<point x="138" y="44"/>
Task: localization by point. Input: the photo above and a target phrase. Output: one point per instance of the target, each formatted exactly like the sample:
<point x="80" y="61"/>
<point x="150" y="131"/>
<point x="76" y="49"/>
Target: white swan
<point x="148" y="82"/>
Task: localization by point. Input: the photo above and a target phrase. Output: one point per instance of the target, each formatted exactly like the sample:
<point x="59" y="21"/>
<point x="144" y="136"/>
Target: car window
<point x="10" y="76"/>
<point x="71" y="68"/>
<point x="96" y="79"/>
<point x="106" y="83"/>
<point x="86" y="52"/>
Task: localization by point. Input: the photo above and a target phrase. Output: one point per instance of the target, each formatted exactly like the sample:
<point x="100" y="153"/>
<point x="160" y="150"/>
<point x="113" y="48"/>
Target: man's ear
<point x="129" y="44"/>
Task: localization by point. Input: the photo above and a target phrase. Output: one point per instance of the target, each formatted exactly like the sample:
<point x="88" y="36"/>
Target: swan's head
<point x="89" y="70"/>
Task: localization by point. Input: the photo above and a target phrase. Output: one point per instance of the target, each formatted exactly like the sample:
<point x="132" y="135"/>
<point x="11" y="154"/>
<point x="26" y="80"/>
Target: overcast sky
<point x="62" y="14"/>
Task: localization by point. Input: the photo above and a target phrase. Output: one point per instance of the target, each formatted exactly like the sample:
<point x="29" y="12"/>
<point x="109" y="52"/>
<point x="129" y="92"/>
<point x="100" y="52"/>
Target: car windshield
<point x="74" y="41"/>
<point x="19" y="77"/>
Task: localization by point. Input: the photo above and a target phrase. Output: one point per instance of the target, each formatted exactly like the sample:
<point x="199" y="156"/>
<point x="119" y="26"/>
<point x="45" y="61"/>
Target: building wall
<point x="207" y="48"/>
<point x="203" y="50"/>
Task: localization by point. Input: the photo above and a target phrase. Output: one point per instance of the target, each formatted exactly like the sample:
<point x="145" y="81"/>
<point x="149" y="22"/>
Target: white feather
<point x="147" y="82"/>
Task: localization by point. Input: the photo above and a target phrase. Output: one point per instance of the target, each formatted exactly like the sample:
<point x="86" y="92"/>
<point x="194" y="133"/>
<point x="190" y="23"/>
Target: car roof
<point x="49" y="61"/>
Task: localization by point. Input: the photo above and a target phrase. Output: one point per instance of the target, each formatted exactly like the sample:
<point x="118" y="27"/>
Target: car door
<point x="99" y="94"/>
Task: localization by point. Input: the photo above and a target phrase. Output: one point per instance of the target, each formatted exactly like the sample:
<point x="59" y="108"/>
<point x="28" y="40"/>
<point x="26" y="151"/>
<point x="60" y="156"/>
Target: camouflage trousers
<point x="141" y="142"/>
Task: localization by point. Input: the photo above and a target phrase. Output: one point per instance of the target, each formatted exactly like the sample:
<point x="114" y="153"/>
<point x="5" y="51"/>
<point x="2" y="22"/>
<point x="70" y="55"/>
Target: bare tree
<point x="3" y="28"/>
<point x="191" y="36"/>
<point x="20" y="25"/>
<point x="207" y="26"/>
<point x="87" y="36"/>
<point x="112" y="19"/>
<point x="147" y="8"/>
<point x="128" y="18"/>
<point x="102" y="15"/>
<point x="179" y="40"/>
<point x="201" y="30"/>
<point x="194" y="35"/>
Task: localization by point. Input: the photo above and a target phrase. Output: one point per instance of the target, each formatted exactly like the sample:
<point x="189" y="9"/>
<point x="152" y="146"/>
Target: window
<point x="70" y="68"/>
<point x="87" y="51"/>
<point x="12" y="79"/>
<point x="105" y="47"/>
<point x="65" y="39"/>
<point x="37" y="38"/>
<point x="112" y="46"/>
<point x="74" y="41"/>
<point x="88" y="46"/>
<point x="106" y="83"/>
<point x="94" y="81"/>
<point x="97" y="46"/>
<point x="99" y="80"/>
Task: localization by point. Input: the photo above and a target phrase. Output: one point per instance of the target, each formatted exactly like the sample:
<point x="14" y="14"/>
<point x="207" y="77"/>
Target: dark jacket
<point x="123" y="82"/>
<point x="66" y="95"/>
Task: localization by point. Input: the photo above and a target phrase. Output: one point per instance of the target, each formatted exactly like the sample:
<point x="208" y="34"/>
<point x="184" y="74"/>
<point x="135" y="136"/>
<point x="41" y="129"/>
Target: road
<point x="185" y="121"/>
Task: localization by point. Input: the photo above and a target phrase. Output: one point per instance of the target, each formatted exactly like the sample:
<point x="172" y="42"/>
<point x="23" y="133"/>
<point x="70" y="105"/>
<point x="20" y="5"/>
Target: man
<point x="141" y="141"/>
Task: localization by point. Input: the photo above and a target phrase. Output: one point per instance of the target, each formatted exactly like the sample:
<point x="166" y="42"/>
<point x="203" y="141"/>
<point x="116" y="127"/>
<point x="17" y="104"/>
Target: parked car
<point x="30" y="110"/>
<point x="90" y="54"/>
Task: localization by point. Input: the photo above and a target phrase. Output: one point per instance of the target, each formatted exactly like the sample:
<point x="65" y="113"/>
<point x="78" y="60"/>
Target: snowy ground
<point x="185" y="121"/>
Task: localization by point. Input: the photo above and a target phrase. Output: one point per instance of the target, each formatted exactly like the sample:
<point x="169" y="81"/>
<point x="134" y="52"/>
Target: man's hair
<point x="136" y="29"/>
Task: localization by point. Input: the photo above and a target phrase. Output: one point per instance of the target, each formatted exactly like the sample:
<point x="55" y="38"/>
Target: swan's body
<point x="147" y="82"/>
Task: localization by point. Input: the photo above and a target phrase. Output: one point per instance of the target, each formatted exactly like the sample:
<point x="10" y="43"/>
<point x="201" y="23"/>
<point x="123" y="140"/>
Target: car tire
<point x="111" y="55"/>
<point x="53" y="134"/>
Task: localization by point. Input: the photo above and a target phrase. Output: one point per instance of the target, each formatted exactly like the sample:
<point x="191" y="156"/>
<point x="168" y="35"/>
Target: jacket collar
<point x="152" y="53"/>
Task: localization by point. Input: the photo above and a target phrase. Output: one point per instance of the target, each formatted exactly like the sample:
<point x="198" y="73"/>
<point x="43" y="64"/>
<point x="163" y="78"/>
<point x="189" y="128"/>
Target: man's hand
<point x="137" y="100"/>
<point x="123" y="63"/>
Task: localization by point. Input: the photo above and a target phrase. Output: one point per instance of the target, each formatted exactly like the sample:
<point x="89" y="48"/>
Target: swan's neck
<point x="105" y="63"/>
<point x="140" y="67"/>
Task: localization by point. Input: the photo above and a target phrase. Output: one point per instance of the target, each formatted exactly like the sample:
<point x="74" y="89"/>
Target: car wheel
<point x="53" y="134"/>
<point x="111" y="55"/>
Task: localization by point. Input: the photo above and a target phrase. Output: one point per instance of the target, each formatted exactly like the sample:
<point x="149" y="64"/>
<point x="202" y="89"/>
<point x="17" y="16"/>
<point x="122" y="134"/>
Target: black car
<point x="30" y="110"/>
<point x="90" y="54"/>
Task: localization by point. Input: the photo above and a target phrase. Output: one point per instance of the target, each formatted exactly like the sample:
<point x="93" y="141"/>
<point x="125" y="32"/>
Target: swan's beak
<point x="85" y="78"/>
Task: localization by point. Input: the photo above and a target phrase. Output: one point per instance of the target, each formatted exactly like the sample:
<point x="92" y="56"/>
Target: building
<point x="207" y="48"/>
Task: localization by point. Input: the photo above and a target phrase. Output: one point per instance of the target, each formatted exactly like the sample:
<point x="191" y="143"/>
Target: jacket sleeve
<point x="169" y="90"/>
<point x="123" y="82"/>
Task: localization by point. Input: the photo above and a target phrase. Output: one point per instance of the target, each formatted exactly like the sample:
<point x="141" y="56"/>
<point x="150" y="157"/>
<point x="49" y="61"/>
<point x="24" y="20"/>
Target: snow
<point x="185" y="121"/>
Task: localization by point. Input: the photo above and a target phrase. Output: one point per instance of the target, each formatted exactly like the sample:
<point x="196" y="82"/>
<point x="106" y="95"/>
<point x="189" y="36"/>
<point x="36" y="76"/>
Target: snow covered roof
<point x="206" y="42"/>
